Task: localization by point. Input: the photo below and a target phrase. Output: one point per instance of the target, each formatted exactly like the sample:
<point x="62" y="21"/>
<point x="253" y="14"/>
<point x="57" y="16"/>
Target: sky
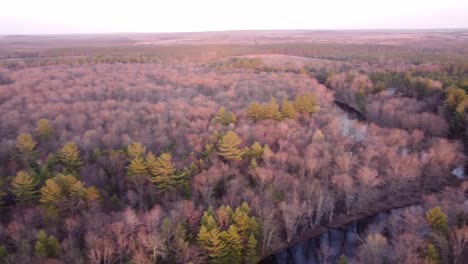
<point x="119" y="16"/>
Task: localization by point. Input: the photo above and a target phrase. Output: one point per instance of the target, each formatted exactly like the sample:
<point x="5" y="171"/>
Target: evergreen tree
<point x="254" y="111"/>
<point x="47" y="246"/>
<point x="232" y="251"/>
<point x="273" y="110"/>
<point x="244" y="223"/>
<point x="136" y="150"/>
<point x="25" y="143"/>
<point x="431" y="254"/>
<point x="137" y="167"/>
<point x="162" y="172"/>
<point x="256" y="151"/>
<point x="210" y="240"/>
<point x="24" y="187"/>
<point x="225" y="118"/>
<point x="228" y="147"/>
<point x="44" y="130"/>
<point x="306" y="103"/>
<point x="251" y="255"/>
<point x="66" y="187"/>
<point x="50" y="192"/>
<point x="208" y="220"/>
<point x="69" y="156"/>
<point x="287" y="110"/>
<point x="438" y="220"/>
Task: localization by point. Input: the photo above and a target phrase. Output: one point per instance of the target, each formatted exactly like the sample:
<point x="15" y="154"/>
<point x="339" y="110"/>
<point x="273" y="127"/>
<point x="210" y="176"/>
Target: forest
<point x="232" y="152"/>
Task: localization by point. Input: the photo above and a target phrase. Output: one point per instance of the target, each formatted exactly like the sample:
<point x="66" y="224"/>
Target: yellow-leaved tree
<point x="228" y="146"/>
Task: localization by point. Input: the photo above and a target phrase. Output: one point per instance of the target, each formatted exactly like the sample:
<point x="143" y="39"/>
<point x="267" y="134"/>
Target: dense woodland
<point x="195" y="156"/>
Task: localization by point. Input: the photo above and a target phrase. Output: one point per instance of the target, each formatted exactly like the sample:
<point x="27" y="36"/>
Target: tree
<point x="25" y="143"/>
<point x="24" y="187"/>
<point x="438" y="220"/>
<point x="228" y="146"/>
<point x="162" y="171"/>
<point x="44" y="129"/>
<point x="431" y="254"/>
<point x="137" y="167"/>
<point x="210" y="240"/>
<point x="256" y="151"/>
<point x="254" y="111"/>
<point x="69" y="155"/>
<point x="273" y="110"/>
<point x="306" y="103"/>
<point x="68" y="188"/>
<point x="232" y="251"/>
<point x="47" y="245"/>
<point x="225" y="118"/>
<point x="251" y="254"/>
<point x="136" y="149"/>
<point x="50" y="192"/>
<point x="244" y="223"/>
<point x="287" y="110"/>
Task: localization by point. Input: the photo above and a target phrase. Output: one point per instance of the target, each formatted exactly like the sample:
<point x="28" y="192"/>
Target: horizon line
<point x="232" y="30"/>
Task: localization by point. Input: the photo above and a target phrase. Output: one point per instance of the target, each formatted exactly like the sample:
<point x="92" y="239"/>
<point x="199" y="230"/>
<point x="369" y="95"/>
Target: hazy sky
<point x="100" y="16"/>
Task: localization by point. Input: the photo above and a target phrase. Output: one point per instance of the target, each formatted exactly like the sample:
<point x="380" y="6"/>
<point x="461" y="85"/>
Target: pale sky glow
<point x="110" y="16"/>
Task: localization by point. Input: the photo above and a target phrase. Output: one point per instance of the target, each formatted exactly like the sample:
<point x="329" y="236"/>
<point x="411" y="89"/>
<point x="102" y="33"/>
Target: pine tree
<point x="287" y="109"/>
<point x="306" y="103"/>
<point x="273" y="110"/>
<point x="211" y="241"/>
<point x="251" y="255"/>
<point x="50" y="192"/>
<point x="66" y="187"/>
<point x="24" y="187"/>
<point x="208" y="220"/>
<point x="136" y="150"/>
<point x="431" y="254"/>
<point x="244" y="223"/>
<point x="228" y="147"/>
<point x="225" y="118"/>
<point x="232" y="251"/>
<point x="254" y="111"/>
<point x="162" y="171"/>
<point x="47" y="246"/>
<point x="25" y="143"/>
<point x="44" y="130"/>
<point x="92" y="193"/>
<point x="438" y="220"/>
<point x="256" y="150"/>
<point x="70" y="157"/>
<point x="137" y="167"/>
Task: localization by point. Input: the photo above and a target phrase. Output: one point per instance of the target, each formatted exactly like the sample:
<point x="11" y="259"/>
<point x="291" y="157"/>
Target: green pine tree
<point x="69" y="156"/>
<point x="46" y="245"/>
<point x="287" y="109"/>
<point x="44" y="129"/>
<point x="228" y="146"/>
<point x="23" y="186"/>
<point x="251" y="255"/>
<point x="232" y="252"/>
